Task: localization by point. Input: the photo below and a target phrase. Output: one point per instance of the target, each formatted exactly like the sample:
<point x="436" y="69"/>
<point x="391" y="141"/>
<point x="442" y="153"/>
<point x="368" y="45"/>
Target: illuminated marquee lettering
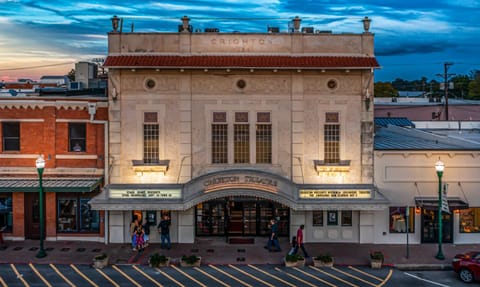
<point x="148" y="193"/>
<point x="247" y="181"/>
<point x="320" y="193"/>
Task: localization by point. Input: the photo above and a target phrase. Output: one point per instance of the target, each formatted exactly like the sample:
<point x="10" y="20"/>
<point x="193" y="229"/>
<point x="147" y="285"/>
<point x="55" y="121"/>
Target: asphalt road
<point x="218" y="275"/>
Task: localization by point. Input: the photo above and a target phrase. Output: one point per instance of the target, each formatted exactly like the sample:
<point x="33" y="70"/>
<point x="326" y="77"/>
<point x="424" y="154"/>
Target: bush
<point x="326" y="258"/>
<point x="293" y="258"/>
<point x="157" y="259"/>
<point x="376" y="255"/>
<point x="190" y="259"/>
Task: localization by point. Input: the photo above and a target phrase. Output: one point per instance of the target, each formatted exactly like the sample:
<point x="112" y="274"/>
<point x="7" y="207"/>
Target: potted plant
<point x="323" y="260"/>
<point x="190" y="261"/>
<point x="157" y="260"/>
<point x="376" y="259"/>
<point x="100" y="260"/>
<point x="294" y="260"/>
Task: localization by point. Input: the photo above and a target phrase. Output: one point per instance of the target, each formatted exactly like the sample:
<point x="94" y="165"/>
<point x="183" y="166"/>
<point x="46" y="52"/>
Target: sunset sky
<point x="412" y="38"/>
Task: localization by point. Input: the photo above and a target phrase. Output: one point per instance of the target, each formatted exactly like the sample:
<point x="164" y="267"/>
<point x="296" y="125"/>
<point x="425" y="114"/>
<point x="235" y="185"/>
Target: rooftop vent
<point x="212" y="30"/>
<point x="273" y="30"/>
<point x="323" y="31"/>
<point x="308" y="30"/>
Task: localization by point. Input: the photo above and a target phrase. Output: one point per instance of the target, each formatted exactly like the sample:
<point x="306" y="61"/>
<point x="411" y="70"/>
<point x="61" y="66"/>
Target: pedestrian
<point x="273" y="239"/>
<point x="146" y="232"/>
<point x="133" y="228"/>
<point x="300" y="240"/>
<point x="139" y="238"/>
<point x="293" y="246"/>
<point x="164" y="229"/>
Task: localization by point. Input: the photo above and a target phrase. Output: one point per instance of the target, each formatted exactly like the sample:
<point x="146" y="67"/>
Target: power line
<point x="37" y="67"/>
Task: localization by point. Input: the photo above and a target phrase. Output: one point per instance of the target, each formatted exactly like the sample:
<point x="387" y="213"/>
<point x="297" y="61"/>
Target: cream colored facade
<point x="297" y="98"/>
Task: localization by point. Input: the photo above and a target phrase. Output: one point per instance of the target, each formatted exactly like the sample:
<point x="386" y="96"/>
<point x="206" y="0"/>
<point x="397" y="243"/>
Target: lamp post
<point x="439" y="167"/>
<point x="40" y="163"/>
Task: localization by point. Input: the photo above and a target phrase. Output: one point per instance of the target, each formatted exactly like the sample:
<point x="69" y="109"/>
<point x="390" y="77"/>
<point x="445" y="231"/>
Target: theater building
<point x="224" y="131"/>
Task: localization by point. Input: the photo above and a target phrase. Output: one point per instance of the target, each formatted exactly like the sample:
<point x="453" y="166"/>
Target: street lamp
<point x="40" y="163"/>
<point x="439" y="167"/>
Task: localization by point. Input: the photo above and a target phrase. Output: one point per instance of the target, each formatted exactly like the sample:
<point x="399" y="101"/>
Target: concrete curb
<point x="423" y="267"/>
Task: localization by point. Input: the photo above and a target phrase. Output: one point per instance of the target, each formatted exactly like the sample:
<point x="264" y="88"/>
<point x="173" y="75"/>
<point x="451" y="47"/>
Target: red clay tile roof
<point x="280" y="62"/>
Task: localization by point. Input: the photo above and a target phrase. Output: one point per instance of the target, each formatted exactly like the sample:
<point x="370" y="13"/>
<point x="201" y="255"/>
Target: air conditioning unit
<point x="212" y="30"/>
<point x="308" y="30"/>
<point x="273" y="30"/>
<point x="180" y="28"/>
<point x="75" y="86"/>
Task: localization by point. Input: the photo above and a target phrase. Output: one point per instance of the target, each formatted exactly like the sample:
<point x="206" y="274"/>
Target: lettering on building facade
<point x="343" y="194"/>
<point x="240" y="181"/>
<point x="240" y="42"/>
<point x="146" y="193"/>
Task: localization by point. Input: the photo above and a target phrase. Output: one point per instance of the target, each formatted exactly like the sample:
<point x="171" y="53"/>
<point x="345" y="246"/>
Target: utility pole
<point x="446" y="75"/>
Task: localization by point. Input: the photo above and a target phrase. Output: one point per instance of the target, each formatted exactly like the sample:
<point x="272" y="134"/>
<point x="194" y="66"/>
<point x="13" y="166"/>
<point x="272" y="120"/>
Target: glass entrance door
<point x="430" y="226"/>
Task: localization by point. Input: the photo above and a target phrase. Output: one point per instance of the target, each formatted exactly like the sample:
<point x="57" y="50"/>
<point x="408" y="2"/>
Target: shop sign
<point x="146" y="193"/>
<point x="240" y="181"/>
<point x="336" y="193"/>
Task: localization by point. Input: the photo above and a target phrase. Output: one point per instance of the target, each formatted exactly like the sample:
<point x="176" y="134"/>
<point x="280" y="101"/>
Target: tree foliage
<point x="385" y="89"/>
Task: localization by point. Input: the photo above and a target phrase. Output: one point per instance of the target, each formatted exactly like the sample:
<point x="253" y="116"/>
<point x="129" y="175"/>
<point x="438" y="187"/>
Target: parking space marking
<point x="169" y="277"/>
<point x="295" y="277"/>
<point x="366" y="273"/>
<point x="188" y="276"/>
<point x="425" y="280"/>
<point x="316" y="278"/>
<point x="390" y="272"/>
<point x="83" y="275"/>
<point x="39" y="275"/>
<point x="354" y="277"/>
<point x="273" y="276"/>
<point x="107" y="277"/>
<point x="126" y="276"/>
<point x="333" y="276"/>
<point x="146" y="275"/>
<point x="211" y="277"/>
<point x="61" y="275"/>
<point x="250" y="275"/>
<point x="231" y="276"/>
<point x="3" y="282"/>
<point x="19" y="276"/>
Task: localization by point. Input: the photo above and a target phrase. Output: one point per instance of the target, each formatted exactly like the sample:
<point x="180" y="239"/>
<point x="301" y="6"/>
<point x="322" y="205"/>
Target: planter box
<point x="100" y="263"/>
<point x="319" y="263"/>
<point x="161" y="264"/>
<point x="299" y="263"/>
<point x="196" y="264"/>
<point x="376" y="264"/>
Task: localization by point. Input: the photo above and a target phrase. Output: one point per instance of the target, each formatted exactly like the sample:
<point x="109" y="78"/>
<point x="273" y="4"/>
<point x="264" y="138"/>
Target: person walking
<point x="133" y="228"/>
<point x="273" y="239"/>
<point x="300" y="241"/>
<point x="164" y="229"/>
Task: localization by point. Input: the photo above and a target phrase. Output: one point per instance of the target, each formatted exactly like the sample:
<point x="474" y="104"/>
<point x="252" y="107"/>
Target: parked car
<point x="467" y="265"/>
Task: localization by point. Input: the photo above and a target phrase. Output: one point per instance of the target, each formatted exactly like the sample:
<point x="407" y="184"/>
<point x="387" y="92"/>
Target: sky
<point x="413" y="38"/>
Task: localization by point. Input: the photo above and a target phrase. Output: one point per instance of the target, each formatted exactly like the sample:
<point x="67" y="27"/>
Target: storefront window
<point x="398" y="221"/>
<point x="75" y="217"/>
<point x="317" y="218"/>
<point x="6" y="214"/>
<point x="470" y="220"/>
<point x="346" y="218"/>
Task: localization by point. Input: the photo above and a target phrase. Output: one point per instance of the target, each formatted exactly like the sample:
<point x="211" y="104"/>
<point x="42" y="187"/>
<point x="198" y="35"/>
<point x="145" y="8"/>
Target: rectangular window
<point x="264" y="143"/>
<point x="346" y="218"/>
<point x="398" y="219"/>
<point x="470" y="220"/>
<point x="332" y="143"/>
<point x="6" y="212"/>
<point x="219" y="143"/>
<point x="151" y="143"/>
<point x="317" y="218"/>
<point x="76" y="215"/>
<point x="11" y="136"/>
<point x="241" y="144"/>
<point x="77" y="137"/>
<point x="332" y="217"/>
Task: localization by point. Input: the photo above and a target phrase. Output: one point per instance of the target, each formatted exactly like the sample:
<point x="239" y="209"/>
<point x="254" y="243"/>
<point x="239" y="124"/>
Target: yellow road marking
<point x="211" y="277"/>
<point x="231" y="276"/>
<point x="188" y="276"/>
<point x="295" y="277"/>
<point x="39" y="275"/>
<point x="18" y="275"/>
<point x="251" y="276"/>
<point x="273" y="276"/>
<point x="61" y="275"/>
<point x="3" y="282"/>
<point x="146" y="275"/>
<point x="169" y="277"/>
<point x="366" y="273"/>
<point x="83" y="275"/>
<point x="354" y="277"/>
<point x="333" y="276"/>
<point x="107" y="277"/>
<point x="316" y="278"/>
<point x="386" y="278"/>
<point x="126" y="276"/>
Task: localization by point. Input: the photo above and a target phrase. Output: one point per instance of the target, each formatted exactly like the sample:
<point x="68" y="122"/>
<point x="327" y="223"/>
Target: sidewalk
<point x="216" y="251"/>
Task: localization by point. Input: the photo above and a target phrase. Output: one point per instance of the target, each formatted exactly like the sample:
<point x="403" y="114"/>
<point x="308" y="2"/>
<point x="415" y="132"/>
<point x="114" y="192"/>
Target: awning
<point x="454" y="203"/>
<point x="86" y="184"/>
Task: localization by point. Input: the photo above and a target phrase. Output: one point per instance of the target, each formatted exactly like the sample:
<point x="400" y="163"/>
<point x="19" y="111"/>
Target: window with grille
<point x="332" y="143"/>
<point x="241" y="144"/>
<point x="264" y="143"/>
<point x="11" y="136"/>
<point x="219" y="143"/>
<point x="150" y="142"/>
<point x="77" y="134"/>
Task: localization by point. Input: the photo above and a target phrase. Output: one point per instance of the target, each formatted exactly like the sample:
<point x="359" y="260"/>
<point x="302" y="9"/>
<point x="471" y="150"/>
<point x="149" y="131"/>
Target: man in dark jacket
<point x="164" y="229"/>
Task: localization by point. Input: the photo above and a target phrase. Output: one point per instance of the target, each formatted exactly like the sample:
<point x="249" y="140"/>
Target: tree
<point x="474" y="86"/>
<point x="71" y="75"/>
<point x="460" y="86"/>
<point x="384" y="89"/>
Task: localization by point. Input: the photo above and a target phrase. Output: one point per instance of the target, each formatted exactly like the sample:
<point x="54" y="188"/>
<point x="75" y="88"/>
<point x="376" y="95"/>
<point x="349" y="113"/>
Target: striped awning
<point x="86" y="184"/>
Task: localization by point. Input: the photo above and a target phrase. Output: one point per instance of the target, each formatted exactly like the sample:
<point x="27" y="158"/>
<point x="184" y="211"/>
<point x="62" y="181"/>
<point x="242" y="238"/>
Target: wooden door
<point x="32" y="215"/>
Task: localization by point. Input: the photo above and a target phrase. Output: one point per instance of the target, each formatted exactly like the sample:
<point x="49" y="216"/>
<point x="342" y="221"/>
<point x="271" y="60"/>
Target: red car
<point x="467" y="265"/>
